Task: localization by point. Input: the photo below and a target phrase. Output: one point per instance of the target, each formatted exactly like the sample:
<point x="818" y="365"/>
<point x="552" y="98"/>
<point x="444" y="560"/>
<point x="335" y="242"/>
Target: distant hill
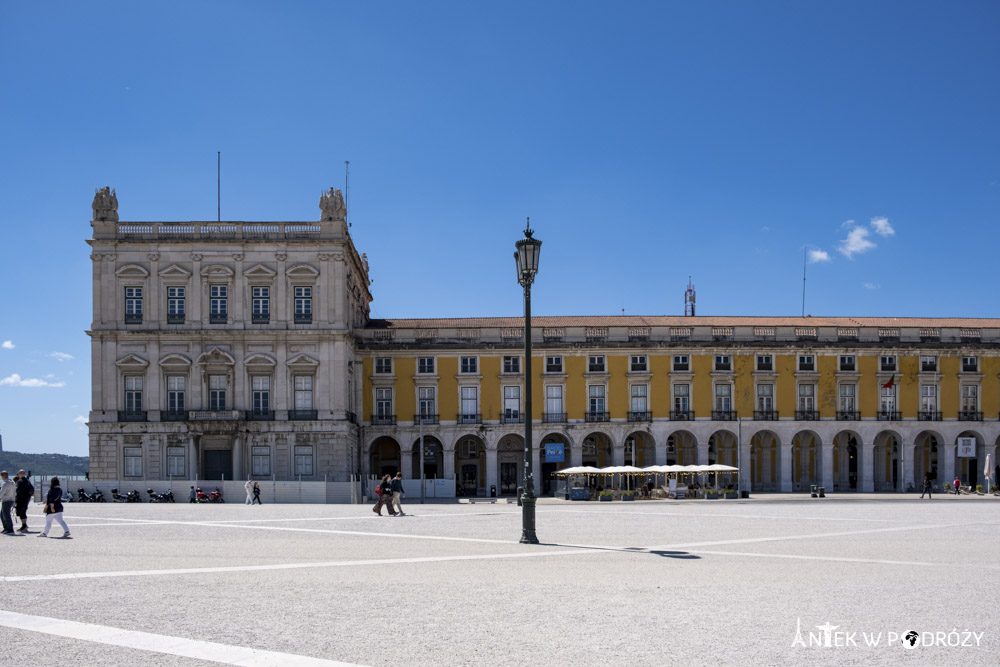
<point x="44" y="464"/>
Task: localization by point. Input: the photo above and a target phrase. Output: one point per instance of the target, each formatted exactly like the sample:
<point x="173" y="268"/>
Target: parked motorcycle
<point x="155" y="497"/>
<point x="119" y="498"/>
<point x="202" y="496"/>
<point x="84" y="497"/>
<point x="133" y="496"/>
<point x="98" y="496"/>
<point x="216" y="496"/>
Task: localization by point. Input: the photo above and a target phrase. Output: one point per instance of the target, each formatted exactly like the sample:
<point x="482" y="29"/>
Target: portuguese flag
<point x="891" y="383"/>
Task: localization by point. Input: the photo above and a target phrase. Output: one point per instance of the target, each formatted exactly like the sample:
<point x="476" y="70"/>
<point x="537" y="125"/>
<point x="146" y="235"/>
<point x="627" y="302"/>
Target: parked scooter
<point x="133" y="496"/>
<point x="98" y="496"/>
<point x="216" y="496"/>
<point x="155" y="497"/>
<point x="84" y="497"/>
<point x="202" y="496"/>
<point x="119" y="498"/>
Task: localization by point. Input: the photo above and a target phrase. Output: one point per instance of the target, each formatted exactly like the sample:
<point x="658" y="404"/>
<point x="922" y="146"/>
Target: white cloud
<point x="882" y="227"/>
<point x="61" y="356"/>
<point x="80" y="420"/>
<point x="765" y="228"/>
<point x="15" y="380"/>
<point x="856" y="242"/>
<point x="847" y="224"/>
<point x="817" y="256"/>
<point x="7" y="345"/>
<point x="871" y="285"/>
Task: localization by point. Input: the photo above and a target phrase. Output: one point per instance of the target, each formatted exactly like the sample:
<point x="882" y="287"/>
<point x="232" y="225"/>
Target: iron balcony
<point x="303" y="415"/>
<point x="260" y="318"/>
<point x="888" y="416"/>
<point x="218" y="318"/>
<point x="724" y="415"/>
<point x="681" y="415"/>
<point x="133" y="318"/>
<point x="260" y="415"/>
<point x="765" y="415"/>
<point x="425" y="418"/>
<point x="595" y="416"/>
<point x="970" y="416"/>
<point x="553" y="417"/>
<point x="848" y="415"/>
<point x="215" y="415"/>
<point x="174" y="416"/>
<point x="175" y="318"/>
<point x="512" y="418"/>
<point x="807" y="415"/>
<point x="131" y="415"/>
<point x="639" y="416"/>
<point x="383" y="420"/>
<point x="470" y="418"/>
<point x="929" y="416"/>
<point x="303" y="318"/>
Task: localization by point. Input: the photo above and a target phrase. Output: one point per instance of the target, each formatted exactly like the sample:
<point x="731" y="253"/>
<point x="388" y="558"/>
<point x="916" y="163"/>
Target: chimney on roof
<point x="689" y="300"/>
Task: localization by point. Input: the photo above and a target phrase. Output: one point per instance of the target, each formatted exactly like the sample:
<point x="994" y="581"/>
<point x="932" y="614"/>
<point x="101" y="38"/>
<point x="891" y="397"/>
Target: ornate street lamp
<point x="526" y="258"/>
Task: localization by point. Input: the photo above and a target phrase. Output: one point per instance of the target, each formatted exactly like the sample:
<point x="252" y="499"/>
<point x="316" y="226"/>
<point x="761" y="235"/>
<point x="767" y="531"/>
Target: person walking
<point x="397" y="494"/>
<point x="249" y="489"/>
<point x="958" y="484"/>
<point x="927" y="487"/>
<point x="193" y="496"/>
<point x="22" y="497"/>
<point x="384" y="496"/>
<point x="256" y="493"/>
<point x="54" y="509"/>
<point x="7" y="495"/>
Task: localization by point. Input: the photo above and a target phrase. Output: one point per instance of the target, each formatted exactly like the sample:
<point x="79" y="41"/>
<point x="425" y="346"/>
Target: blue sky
<point x="647" y="141"/>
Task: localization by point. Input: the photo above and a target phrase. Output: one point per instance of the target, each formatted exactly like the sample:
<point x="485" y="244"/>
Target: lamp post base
<point x="528" y="521"/>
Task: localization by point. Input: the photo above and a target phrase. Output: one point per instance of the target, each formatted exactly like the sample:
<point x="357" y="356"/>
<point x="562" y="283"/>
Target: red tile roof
<point x="681" y="321"/>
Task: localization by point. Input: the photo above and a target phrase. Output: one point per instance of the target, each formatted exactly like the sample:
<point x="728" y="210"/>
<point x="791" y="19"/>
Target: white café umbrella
<point x="987" y="472"/>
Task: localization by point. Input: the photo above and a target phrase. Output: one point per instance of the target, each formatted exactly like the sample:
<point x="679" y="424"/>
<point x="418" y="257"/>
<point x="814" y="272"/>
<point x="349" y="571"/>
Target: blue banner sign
<point x="555" y="452"/>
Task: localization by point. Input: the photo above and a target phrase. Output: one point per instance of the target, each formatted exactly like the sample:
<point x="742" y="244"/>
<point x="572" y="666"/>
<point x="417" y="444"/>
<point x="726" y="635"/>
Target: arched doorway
<point x="385" y="459"/>
<point x="969" y="469"/>
<point x="846" y="461"/>
<point x="510" y="464"/>
<point x="597" y="450"/>
<point x="722" y="449"/>
<point x="470" y="466"/>
<point x="553" y="455"/>
<point x="806" y="460"/>
<point x="639" y="449"/>
<point x="682" y="449"/>
<point x="765" y="461"/>
<point x="927" y="455"/>
<point x="887" y="470"/>
<point x="433" y="458"/>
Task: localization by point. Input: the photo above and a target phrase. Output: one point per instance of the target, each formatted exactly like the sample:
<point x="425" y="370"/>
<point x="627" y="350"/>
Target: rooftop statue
<point x="331" y="203"/>
<point x="105" y="204"/>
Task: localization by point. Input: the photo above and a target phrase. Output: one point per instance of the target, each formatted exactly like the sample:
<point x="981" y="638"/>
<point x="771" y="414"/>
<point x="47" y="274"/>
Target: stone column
<point x="192" y="458"/>
<point x="949" y="463"/>
<point x="153" y="312"/>
<point x="908" y="450"/>
<point x="827" y="466"/>
<point x="238" y="458"/>
<point x="618" y="454"/>
<point x="199" y="291"/>
<point x="491" y="470"/>
<point x="449" y="463"/>
<point x="576" y="455"/>
<point x="785" y="467"/>
<point x="702" y="453"/>
<point x="239" y="313"/>
<point x="746" y="482"/>
<point x="867" y="453"/>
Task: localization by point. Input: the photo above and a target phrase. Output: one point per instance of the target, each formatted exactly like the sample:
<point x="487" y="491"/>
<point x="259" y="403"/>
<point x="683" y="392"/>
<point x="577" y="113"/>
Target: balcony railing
<point x="260" y="318"/>
<point x="175" y="318"/>
<point x="929" y="416"/>
<point x="133" y="318"/>
<point x="970" y="368"/>
<point x="970" y="416"/>
<point x="681" y="415"/>
<point x="888" y="416"/>
<point x="724" y="415"/>
<point x="765" y="415"/>
<point x="470" y="418"/>
<point x="928" y="368"/>
<point x="682" y="368"/>
<point x="131" y="415"/>
<point x="728" y="366"/>
<point x="848" y="415"/>
<point x="768" y="367"/>
<point x="512" y="418"/>
<point x="260" y="415"/>
<point x="383" y="420"/>
<point x="639" y="416"/>
<point x="807" y="368"/>
<point x="848" y="368"/>
<point x="218" y="318"/>
<point x="807" y="415"/>
<point x="595" y="416"/>
<point x="174" y="416"/>
<point x="425" y="418"/>
<point x="303" y="318"/>
<point x="303" y="415"/>
<point x="595" y="368"/>
<point x="215" y="415"/>
<point x="553" y="417"/>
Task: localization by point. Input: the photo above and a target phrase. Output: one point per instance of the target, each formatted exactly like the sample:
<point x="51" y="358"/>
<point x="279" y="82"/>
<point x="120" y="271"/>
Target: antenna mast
<point x="804" y="251"/>
<point x="218" y="183"/>
<point x="689" y="299"/>
<point x="347" y="189"/>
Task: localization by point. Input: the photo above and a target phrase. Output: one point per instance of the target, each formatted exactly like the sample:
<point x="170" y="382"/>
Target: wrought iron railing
<point x="848" y="415"/>
<point x="383" y="420"/>
<point x="512" y="418"/>
<point x="970" y="416"/>
<point x="173" y="415"/>
<point x="765" y="415"/>
<point x="682" y="415"/>
<point x="595" y="416"/>
<point x="131" y="415"/>
<point x="807" y="415"/>
<point x="888" y="416"/>
<point x="425" y="418"/>
<point x="260" y="415"/>
<point x="724" y="415"/>
<point x="471" y="418"/>
<point x="553" y="417"/>
<point x="639" y="416"/>
<point x="303" y="415"/>
<point x="929" y="416"/>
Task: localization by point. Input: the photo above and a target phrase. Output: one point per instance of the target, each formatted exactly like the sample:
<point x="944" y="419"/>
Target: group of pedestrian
<point x="390" y="494"/>
<point x="253" y="492"/>
<point x="15" y="495"/>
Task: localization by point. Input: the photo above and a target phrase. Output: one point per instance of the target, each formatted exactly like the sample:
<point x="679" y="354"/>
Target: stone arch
<point x="970" y="470"/>
<point x="545" y="470"/>
<point x="847" y="457"/>
<point x="807" y="459"/>
<point x="765" y="461"/>
<point x="682" y="448"/>
<point x="887" y="463"/>
<point x="596" y="449"/>
<point x="722" y="448"/>
<point x="640" y="449"/>
<point x="470" y="465"/>
<point x="510" y="464"/>
<point x="384" y="456"/>
<point x="928" y="458"/>
<point x="433" y="458"/>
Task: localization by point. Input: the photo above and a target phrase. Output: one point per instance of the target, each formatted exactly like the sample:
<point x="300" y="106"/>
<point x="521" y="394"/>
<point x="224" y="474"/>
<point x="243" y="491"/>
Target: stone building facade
<point x="235" y="348"/>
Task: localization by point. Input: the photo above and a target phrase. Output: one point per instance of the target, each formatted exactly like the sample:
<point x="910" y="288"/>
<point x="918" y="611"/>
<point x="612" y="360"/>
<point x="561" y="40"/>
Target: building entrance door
<point x="217" y="464"/>
<point x="508" y="478"/>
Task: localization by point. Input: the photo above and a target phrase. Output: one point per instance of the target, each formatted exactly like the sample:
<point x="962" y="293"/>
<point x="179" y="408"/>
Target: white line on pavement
<point x="840" y="559"/>
<point x="288" y="566"/>
<point x="147" y="641"/>
<point x="693" y="515"/>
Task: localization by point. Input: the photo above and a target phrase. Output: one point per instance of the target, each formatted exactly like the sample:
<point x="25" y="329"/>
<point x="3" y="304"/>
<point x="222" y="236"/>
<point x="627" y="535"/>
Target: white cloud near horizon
<point x="61" y="356"/>
<point x="871" y="285"/>
<point x="80" y="420"/>
<point x="7" y="345"/>
<point x="15" y="380"/>
<point x="882" y="227"/>
<point x="818" y="256"/>
<point x="855" y="243"/>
